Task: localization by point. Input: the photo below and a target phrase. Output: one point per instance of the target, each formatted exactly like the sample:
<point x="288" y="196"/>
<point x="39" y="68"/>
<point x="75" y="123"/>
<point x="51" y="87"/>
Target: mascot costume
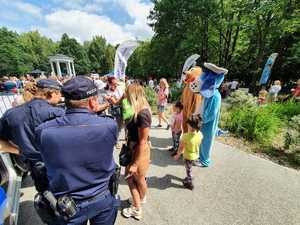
<point x="190" y="100"/>
<point x="207" y="85"/>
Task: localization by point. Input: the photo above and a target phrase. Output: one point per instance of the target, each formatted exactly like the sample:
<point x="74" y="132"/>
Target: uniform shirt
<point x="192" y="141"/>
<point x="77" y="150"/>
<point x="18" y="125"/>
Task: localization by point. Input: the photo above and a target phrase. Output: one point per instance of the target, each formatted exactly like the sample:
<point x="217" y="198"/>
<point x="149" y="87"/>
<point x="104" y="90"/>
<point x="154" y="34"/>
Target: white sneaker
<point x="143" y="201"/>
<point x="132" y="212"/>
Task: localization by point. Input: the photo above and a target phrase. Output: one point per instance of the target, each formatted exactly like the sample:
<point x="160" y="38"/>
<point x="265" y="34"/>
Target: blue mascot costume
<point x="207" y="85"/>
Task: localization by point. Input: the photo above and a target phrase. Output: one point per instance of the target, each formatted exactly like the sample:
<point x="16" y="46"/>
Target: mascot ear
<point x="211" y="79"/>
<point x="192" y="74"/>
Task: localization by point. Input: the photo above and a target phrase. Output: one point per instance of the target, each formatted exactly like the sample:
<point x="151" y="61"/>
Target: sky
<point x="115" y="20"/>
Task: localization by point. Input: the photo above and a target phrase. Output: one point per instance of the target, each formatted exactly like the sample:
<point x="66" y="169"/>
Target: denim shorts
<point x="161" y="108"/>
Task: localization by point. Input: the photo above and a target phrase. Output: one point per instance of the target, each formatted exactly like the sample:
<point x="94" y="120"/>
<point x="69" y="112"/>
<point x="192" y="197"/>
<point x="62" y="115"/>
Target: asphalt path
<point x="238" y="189"/>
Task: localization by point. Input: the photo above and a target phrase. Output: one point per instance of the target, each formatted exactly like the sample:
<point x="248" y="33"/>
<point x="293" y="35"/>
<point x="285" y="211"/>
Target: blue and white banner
<point x="191" y="61"/>
<point x="124" y="51"/>
<point x="267" y="70"/>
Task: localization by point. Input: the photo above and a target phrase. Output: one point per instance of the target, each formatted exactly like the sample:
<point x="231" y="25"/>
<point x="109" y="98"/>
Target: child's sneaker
<point x="171" y="149"/>
<point x="132" y="212"/>
<point x="188" y="184"/>
<point x="143" y="201"/>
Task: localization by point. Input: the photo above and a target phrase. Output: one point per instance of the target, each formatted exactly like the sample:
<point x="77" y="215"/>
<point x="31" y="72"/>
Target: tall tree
<point x="70" y="47"/>
<point x="38" y="48"/>
<point x="100" y="55"/>
<point x="12" y="59"/>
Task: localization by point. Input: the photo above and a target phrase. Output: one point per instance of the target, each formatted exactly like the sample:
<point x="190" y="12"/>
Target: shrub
<point x="254" y="124"/>
<point x="285" y="110"/>
<point x="151" y="96"/>
<point x="292" y="138"/>
<point x="175" y="93"/>
<point x="241" y="99"/>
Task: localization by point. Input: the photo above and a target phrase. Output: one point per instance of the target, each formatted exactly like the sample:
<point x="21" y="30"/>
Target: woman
<point x="162" y="95"/>
<point x="30" y="90"/>
<point x="138" y="136"/>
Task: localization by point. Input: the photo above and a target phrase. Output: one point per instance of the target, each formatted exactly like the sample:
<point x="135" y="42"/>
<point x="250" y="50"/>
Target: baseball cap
<point x="48" y="83"/>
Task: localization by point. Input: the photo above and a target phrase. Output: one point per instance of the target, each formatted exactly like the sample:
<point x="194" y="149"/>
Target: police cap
<point x="48" y="83"/>
<point x="79" y="88"/>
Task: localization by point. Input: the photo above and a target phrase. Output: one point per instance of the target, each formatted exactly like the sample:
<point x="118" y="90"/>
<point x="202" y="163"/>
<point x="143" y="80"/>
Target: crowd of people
<point x="66" y="129"/>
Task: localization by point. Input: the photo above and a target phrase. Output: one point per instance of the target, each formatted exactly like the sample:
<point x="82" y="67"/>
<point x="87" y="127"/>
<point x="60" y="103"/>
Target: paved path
<point x="238" y="189"/>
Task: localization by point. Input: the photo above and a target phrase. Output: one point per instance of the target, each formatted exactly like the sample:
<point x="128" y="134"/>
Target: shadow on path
<point x="164" y="182"/>
<point x="160" y="156"/>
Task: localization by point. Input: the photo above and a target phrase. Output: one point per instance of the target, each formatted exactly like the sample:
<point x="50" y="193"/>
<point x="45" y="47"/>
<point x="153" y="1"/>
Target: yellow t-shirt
<point x="192" y="141"/>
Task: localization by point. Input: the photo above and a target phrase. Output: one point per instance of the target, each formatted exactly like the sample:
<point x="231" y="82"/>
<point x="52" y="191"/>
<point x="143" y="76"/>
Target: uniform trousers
<point x="101" y="210"/>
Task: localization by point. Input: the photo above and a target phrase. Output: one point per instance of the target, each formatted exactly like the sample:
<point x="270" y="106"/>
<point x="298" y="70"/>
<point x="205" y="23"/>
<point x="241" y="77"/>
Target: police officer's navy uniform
<point x="18" y="126"/>
<point x="78" y="153"/>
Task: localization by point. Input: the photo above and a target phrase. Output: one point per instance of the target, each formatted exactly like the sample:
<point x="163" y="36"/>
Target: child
<point x="262" y="96"/>
<point x="176" y="126"/>
<point x="189" y="145"/>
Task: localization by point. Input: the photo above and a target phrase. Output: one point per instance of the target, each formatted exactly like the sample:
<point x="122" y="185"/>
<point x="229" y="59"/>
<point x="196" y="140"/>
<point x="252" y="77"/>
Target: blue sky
<point x="116" y="20"/>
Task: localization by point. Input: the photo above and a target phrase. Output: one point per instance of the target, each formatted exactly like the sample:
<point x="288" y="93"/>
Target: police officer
<point x="18" y="124"/>
<point x="78" y="153"/>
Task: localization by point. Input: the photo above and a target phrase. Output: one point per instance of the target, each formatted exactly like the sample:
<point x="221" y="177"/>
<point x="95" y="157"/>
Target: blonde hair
<point x="164" y="82"/>
<point x="137" y="99"/>
<point x="30" y="91"/>
<point x="45" y="93"/>
<point x="277" y="82"/>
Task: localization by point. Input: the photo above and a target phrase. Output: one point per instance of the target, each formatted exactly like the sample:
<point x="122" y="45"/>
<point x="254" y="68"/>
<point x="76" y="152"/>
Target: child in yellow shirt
<point x="189" y="146"/>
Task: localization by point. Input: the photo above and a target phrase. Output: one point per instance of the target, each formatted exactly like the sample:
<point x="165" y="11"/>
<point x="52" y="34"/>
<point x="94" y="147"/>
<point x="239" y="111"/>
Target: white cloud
<point x="28" y="8"/>
<point x="83" y="26"/>
<point x="139" y="11"/>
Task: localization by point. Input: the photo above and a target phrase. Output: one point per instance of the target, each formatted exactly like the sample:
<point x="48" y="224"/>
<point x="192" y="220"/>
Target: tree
<point x="101" y="55"/>
<point x="38" y="48"/>
<point x="70" y="47"/>
<point x="12" y="59"/>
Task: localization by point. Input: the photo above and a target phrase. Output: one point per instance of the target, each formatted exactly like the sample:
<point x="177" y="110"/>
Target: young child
<point x="189" y="146"/>
<point x="262" y="96"/>
<point x="176" y="126"/>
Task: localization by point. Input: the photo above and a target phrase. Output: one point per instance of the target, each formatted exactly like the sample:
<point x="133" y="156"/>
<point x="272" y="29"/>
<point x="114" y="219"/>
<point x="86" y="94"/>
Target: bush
<point x="175" y="94"/>
<point x="241" y="99"/>
<point x="284" y="111"/>
<point x="254" y="124"/>
<point x="292" y="138"/>
<point x="151" y="96"/>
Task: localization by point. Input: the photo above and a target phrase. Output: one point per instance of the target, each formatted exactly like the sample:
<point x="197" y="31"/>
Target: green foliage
<point x="38" y="49"/>
<point x="101" y="55"/>
<point x="70" y="47"/>
<point x="239" y="35"/>
<point x="254" y="124"/>
<point x="284" y="111"/>
<point x="13" y="60"/>
<point x="292" y="138"/>
<point x="239" y="99"/>
<point x="175" y="93"/>
<point x="151" y="96"/>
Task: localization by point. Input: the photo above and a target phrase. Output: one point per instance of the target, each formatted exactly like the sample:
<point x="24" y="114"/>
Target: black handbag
<point x="125" y="156"/>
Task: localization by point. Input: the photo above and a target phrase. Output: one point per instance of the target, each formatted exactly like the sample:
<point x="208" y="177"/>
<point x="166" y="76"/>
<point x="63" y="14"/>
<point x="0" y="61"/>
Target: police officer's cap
<point x="48" y="83"/>
<point x="79" y="88"/>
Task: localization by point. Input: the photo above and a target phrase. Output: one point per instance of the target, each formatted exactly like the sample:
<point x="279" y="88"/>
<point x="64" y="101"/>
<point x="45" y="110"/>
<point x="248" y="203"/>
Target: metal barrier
<point x="6" y="101"/>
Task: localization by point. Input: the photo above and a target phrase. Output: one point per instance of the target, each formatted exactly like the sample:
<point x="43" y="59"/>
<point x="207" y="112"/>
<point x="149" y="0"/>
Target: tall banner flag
<point x="267" y="70"/>
<point x="124" y="51"/>
<point x="191" y="61"/>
